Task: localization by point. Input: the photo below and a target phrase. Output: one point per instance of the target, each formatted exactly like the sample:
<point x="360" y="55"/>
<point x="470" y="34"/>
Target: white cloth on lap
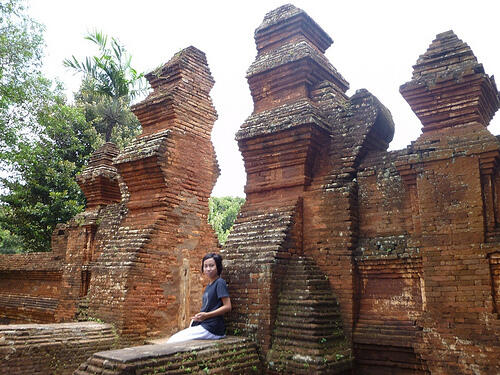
<point x="193" y="333"/>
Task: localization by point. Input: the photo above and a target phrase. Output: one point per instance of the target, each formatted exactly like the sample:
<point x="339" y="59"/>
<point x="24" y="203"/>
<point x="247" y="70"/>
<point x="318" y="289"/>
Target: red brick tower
<point x="290" y="255"/>
<point x="145" y="276"/>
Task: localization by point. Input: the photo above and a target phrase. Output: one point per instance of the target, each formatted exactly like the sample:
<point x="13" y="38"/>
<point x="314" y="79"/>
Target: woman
<point x="208" y="324"/>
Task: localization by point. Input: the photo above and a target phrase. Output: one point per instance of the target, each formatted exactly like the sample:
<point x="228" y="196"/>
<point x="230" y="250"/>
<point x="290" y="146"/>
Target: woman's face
<point x="210" y="269"/>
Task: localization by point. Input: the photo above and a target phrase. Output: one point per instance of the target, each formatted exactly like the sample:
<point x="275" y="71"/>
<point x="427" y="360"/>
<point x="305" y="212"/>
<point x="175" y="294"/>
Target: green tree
<point x="43" y="142"/>
<point x="22" y="88"/>
<point x="9" y="243"/>
<point x="108" y="87"/>
<point x="222" y="214"/>
<point x="42" y="190"/>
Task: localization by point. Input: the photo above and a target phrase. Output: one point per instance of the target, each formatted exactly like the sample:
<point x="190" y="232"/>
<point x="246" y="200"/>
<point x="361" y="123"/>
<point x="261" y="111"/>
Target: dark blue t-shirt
<point x="212" y="300"/>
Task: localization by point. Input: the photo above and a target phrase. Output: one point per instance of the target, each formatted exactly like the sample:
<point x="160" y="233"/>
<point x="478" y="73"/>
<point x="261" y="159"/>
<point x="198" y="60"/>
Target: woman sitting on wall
<point x="208" y="324"/>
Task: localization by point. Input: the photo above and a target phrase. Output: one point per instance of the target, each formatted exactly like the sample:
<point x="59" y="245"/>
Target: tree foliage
<point x="43" y="142"/>
<point x="108" y="87"/>
<point x="42" y="190"/>
<point x="9" y="243"/>
<point x="100" y="111"/>
<point x="222" y="214"/>
<point x="22" y="87"/>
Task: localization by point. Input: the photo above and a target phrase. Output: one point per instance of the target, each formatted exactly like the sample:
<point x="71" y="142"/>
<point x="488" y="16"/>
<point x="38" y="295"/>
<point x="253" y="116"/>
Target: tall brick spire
<point x="289" y="66"/>
<point x="295" y="91"/>
<point x="449" y="87"/>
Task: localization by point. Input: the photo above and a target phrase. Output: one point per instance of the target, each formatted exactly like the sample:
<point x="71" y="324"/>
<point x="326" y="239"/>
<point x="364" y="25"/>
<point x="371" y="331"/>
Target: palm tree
<point x="110" y="83"/>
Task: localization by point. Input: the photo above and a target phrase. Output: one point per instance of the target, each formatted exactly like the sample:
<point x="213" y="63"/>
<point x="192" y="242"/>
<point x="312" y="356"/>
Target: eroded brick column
<point x="100" y="182"/>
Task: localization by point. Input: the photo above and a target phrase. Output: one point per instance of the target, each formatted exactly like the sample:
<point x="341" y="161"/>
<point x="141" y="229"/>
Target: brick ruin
<point x="346" y="258"/>
<point x="144" y="266"/>
<point x="132" y="258"/>
<point x="408" y="240"/>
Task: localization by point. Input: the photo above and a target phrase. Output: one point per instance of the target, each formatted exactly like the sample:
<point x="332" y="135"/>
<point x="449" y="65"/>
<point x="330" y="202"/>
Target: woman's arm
<point x="226" y="307"/>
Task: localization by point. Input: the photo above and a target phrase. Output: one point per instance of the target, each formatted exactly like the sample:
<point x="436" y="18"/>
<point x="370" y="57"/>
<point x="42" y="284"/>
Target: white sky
<point x="375" y="45"/>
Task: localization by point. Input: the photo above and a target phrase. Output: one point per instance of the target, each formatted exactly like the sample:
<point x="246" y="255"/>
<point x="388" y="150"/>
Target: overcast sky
<point x="375" y="45"/>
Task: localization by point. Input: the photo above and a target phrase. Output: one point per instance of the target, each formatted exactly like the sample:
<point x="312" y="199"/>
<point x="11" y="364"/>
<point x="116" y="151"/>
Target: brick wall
<point x="51" y="348"/>
<point x="30" y="286"/>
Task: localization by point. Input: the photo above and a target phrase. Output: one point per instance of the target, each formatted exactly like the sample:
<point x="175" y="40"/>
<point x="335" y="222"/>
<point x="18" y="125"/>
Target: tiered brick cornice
<point x="180" y="97"/>
<point x="449" y="87"/>
<point x="288" y="22"/>
<point x="290" y="59"/>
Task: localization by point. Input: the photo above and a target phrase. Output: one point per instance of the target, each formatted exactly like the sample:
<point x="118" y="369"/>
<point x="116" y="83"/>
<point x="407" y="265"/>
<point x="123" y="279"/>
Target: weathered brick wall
<point x="389" y="270"/>
<point x="358" y="126"/>
<point x="453" y="168"/>
<point x="89" y="232"/>
<point x="428" y="228"/>
<point x="30" y="349"/>
<point x="30" y="285"/>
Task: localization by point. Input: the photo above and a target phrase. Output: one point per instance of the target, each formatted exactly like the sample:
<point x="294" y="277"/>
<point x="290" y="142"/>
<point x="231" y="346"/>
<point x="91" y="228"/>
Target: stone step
<point x="302" y="283"/>
<point x="246" y="215"/>
<point x="229" y="355"/>
<point x="309" y="311"/>
<point x="308" y="316"/>
<point x="365" y="332"/>
<point x="267" y="225"/>
<point x="322" y="291"/>
<point x="312" y="364"/>
<point x="299" y="339"/>
<point x="318" y="326"/>
<point x="249" y="248"/>
<point x="316" y="301"/>
<point x="306" y="270"/>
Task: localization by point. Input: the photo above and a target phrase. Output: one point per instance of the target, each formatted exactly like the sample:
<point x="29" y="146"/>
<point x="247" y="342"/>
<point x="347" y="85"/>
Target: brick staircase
<point x="308" y="337"/>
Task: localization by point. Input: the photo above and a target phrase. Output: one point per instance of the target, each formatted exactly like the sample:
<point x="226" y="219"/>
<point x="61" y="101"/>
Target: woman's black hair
<point x="218" y="261"/>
